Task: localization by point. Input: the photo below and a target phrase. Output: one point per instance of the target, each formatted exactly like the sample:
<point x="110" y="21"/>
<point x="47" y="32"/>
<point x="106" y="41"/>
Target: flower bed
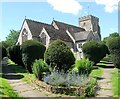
<point x="72" y="90"/>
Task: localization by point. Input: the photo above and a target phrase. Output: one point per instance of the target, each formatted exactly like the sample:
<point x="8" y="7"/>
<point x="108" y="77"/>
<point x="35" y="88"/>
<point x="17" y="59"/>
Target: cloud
<point x="66" y="6"/>
<point x="110" y="5"/>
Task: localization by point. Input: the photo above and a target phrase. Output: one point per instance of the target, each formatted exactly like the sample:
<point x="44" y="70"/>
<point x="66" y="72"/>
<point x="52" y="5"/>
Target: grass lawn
<point x="115" y="82"/>
<point x="6" y="90"/>
<point x="97" y="73"/>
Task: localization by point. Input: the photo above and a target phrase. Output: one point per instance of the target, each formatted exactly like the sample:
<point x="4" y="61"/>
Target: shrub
<point x="62" y="79"/>
<point x="114" y="47"/>
<point x="39" y="66"/>
<point x="59" y="54"/>
<point x="95" y="51"/>
<point x="83" y="66"/>
<point x="3" y="52"/>
<point x="59" y="78"/>
<point x="32" y="50"/>
<point x="15" y="54"/>
<point x="103" y="50"/>
<point x="90" y="90"/>
<point x="91" y="50"/>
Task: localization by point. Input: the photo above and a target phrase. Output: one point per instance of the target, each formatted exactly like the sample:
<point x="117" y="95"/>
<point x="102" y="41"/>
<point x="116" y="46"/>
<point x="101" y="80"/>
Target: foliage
<point x="15" y="54"/>
<point x="95" y="51"/>
<point x="11" y="38"/>
<point x="114" y="47"/>
<point x="115" y="34"/>
<point x="39" y="67"/>
<point x="32" y="50"/>
<point x="90" y="89"/>
<point x="103" y="50"/>
<point x="59" y="54"/>
<point x="3" y="52"/>
<point x="4" y="44"/>
<point x="83" y="66"/>
<point x="57" y="78"/>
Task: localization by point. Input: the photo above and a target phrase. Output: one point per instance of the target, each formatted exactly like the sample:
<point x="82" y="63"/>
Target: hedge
<point x="114" y="47"/>
<point x="15" y="54"/>
<point x="32" y="50"/>
<point x="95" y="51"/>
<point x="3" y="52"/>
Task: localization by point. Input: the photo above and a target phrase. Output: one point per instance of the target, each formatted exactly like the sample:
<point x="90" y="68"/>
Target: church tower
<point x="90" y="23"/>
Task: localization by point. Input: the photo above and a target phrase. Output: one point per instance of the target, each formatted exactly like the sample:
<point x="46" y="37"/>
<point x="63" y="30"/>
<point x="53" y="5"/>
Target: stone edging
<point x="57" y="89"/>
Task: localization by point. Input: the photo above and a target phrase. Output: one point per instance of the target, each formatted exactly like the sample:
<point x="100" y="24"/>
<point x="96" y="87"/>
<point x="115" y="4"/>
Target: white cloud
<point x="110" y="5"/>
<point x="66" y="6"/>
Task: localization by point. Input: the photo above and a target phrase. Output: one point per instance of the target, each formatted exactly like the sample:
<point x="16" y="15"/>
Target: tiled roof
<point x="77" y="32"/>
<point x="81" y="36"/>
<point x="57" y="34"/>
<point x="36" y="27"/>
<point x="71" y="28"/>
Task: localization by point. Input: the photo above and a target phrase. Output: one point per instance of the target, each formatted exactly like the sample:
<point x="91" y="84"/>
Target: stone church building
<point x="73" y="36"/>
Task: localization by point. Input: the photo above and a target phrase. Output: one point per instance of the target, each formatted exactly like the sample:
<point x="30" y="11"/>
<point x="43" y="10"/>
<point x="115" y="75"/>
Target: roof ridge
<point x="68" y="24"/>
<point x="38" y="22"/>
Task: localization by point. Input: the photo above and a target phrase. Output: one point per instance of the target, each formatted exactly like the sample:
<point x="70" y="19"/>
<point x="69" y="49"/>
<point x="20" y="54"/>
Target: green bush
<point x="15" y="54"/>
<point x="59" y="54"/>
<point x="103" y="50"/>
<point x="83" y="66"/>
<point x="91" y="51"/>
<point x="114" y="47"/>
<point x="32" y="50"/>
<point x="3" y="52"/>
<point x="39" y="67"/>
<point x="95" y="51"/>
<point x="90" y="90"/>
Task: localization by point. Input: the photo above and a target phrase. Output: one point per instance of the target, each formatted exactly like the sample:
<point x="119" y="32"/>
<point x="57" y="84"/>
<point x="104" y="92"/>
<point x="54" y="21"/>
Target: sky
<point x="12" y="14"/>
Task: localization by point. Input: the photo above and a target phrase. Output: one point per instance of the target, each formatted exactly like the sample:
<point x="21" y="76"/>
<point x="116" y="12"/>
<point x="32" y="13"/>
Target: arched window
<point x="43" y="38"/>
<point x="24" y="35"/>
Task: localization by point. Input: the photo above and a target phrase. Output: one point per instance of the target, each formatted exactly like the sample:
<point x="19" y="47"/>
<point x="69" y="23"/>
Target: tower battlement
<point x="89" y="17"/>
<point x="90" y="23"/>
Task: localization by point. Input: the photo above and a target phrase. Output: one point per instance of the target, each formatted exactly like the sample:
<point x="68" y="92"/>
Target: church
<point x="73" y="36"/>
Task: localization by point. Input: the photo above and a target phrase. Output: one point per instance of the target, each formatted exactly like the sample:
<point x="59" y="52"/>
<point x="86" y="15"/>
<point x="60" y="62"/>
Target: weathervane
<point x="25" y="17"/>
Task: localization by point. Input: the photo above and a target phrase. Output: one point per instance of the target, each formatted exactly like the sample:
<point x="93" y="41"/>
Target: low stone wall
<point x="57" y="89"/>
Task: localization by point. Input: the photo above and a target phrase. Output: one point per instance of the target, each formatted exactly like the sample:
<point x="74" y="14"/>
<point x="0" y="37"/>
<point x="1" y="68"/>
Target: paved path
<point x="105" y="82"/>
<point x="24" y="89"/>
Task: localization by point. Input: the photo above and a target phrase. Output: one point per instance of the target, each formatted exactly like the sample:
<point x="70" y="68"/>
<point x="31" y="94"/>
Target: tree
<point x="11" y="38"/>
<point x="115" y="34"/>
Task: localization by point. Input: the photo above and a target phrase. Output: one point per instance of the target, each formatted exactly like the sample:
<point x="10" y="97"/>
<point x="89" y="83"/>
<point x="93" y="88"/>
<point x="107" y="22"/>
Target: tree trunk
<point x="40" y="76"/>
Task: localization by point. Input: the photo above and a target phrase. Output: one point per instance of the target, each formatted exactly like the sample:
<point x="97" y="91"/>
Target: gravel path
<point x="24" y="89"/>
<point x="105" y="83"/>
